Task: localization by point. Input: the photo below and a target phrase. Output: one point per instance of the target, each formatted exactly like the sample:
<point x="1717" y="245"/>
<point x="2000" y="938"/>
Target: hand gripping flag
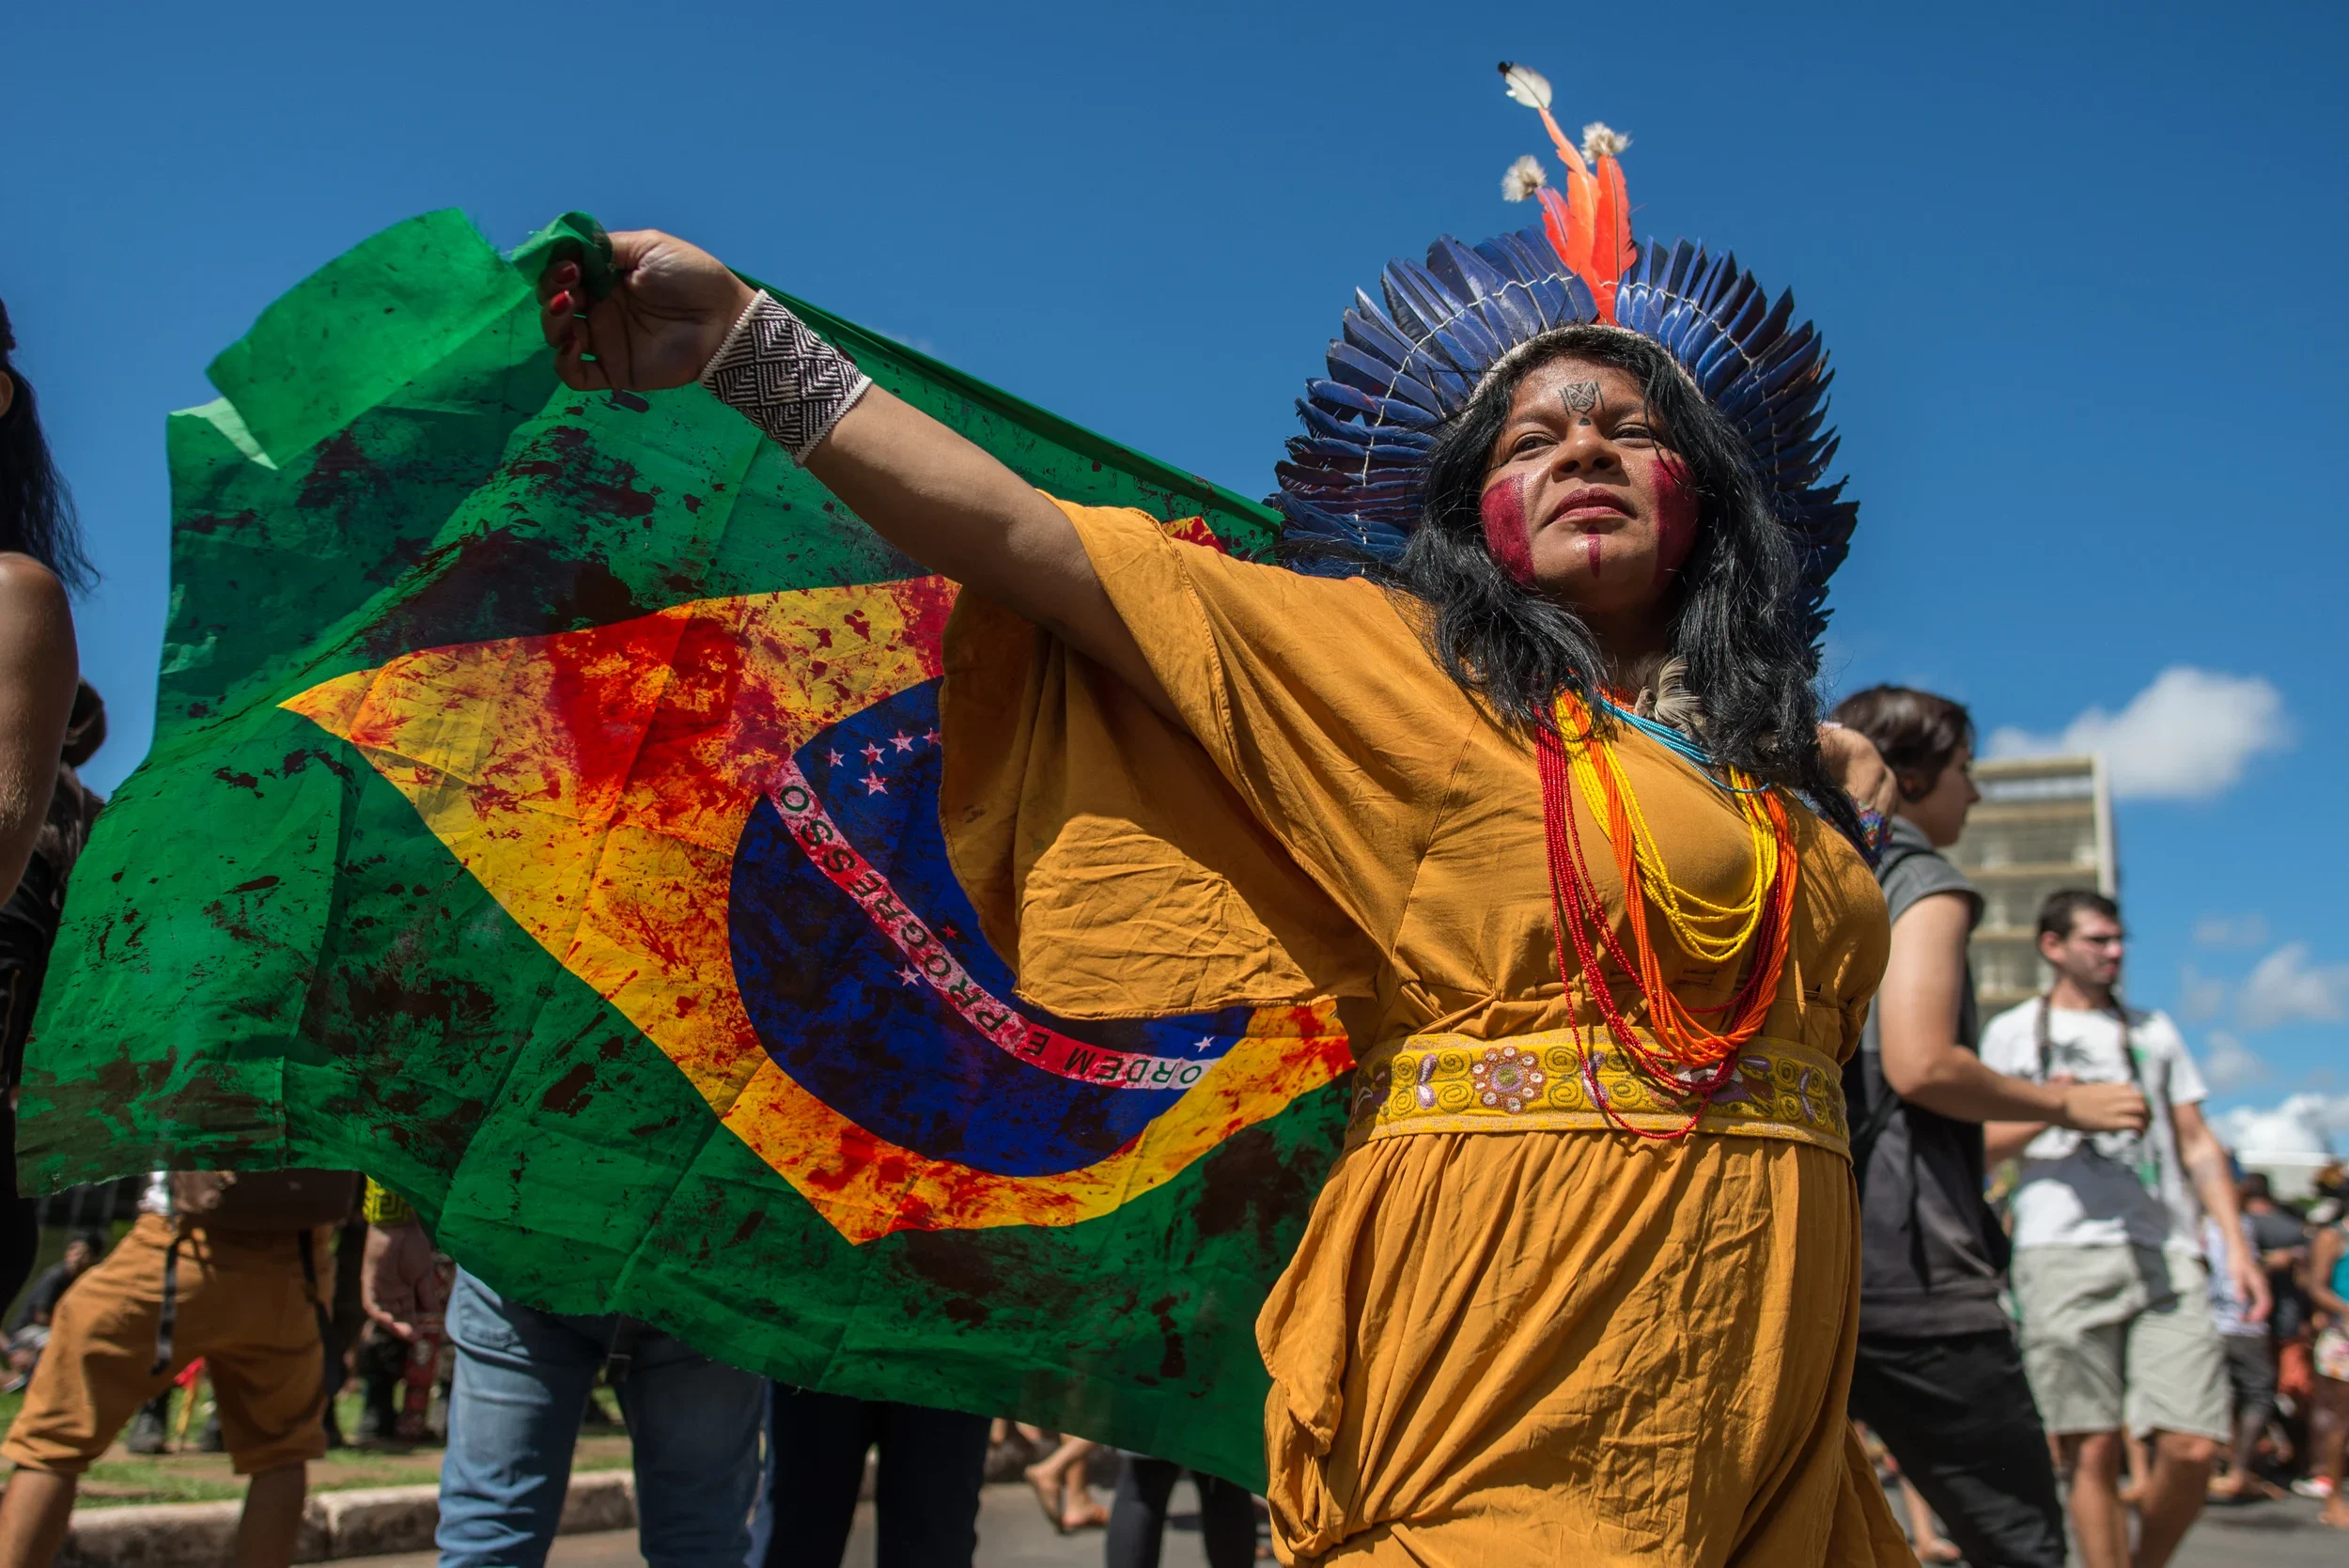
<point x="542" y="817"/>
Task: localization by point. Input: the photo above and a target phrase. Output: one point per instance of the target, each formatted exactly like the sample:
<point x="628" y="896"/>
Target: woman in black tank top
<point x="40" y="560"/>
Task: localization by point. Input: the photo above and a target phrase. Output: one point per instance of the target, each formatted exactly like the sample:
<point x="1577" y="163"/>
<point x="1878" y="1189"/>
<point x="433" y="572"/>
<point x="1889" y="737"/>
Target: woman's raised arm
<point x="919" y="485"/>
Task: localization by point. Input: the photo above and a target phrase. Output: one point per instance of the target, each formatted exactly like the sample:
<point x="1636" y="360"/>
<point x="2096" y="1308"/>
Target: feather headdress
<point x="1405" y="364"/>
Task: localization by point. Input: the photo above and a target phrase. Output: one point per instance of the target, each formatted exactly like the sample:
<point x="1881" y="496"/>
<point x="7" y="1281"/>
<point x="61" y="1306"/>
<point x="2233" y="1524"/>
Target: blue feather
<point x="1367" y="328"/>
<point x="1374" y="410"/>
<point x="1364" y="374"/>
<point x="1416" y="304"/>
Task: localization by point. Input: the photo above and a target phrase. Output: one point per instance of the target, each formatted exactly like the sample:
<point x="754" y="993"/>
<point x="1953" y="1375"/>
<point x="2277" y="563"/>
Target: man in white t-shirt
<point x="2108" y="1271"/>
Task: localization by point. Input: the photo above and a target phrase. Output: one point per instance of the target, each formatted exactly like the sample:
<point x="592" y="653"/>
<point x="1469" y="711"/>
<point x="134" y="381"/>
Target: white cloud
<point x="2187" y="736"/>
<point x="2201" y="997"/>
<point x="2229" y="1064"/>
<point x="2284" y="988"/>
<point x="2230" y="931"/>
<point x="2302" y="1125"/>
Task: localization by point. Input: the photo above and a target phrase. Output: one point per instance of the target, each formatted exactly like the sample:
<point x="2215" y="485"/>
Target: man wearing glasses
<point x="2107" y="1273"/>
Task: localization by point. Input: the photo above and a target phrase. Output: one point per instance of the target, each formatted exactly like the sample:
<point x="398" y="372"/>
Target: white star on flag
<point x="903" y="741"/>
<point x="835" y="758"/>
<point x="906" y="975"/>
<point x="872" y="753"/>
<point x="876" y="785"/>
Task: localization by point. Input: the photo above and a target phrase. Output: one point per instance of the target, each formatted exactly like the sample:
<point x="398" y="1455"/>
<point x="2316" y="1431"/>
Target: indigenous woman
<point x="1520" y="765"/>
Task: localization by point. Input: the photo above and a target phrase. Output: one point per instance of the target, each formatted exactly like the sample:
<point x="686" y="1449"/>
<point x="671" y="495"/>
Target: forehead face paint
<point x="1504" y="511"/>
<point x="1580" y="398"/>
<point x="1675" y="514"/>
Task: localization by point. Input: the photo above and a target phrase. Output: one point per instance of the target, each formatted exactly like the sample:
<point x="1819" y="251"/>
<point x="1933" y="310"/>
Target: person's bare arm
<point x="399" y="1280"/>
<point x="922" y="487"/>
<point x="957" y="510"/>
<point x="39" y="670"/>
<point x="2206" y="1161"/>
<point x="2003" y="1140"/>
<point x="1917" y="1009"/>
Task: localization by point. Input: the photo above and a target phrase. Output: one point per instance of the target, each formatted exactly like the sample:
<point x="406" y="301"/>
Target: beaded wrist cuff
<point x="789" y="382"/>
<point x="382" y="1206"/>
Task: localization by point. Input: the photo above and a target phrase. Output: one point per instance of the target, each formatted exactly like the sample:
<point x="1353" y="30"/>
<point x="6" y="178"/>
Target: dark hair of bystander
<point x="2062" y="909"/>
<point x="36" y="510"/>
<point x="1917" y="731"/>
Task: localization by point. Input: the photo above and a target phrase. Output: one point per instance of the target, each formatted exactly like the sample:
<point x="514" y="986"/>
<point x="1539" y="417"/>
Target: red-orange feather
<point x="1590" y="229"/>
<point x="1610" y="235"/>
<point x="1625" y="251"/>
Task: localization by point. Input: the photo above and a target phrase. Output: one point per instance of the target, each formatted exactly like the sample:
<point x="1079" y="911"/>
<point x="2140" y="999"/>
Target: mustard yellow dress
<point x="1510" y="1335"/>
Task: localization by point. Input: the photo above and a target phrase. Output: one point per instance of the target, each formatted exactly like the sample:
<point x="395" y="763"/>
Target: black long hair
<point x="1736" y="617"/>
<point x="36" y="509"/>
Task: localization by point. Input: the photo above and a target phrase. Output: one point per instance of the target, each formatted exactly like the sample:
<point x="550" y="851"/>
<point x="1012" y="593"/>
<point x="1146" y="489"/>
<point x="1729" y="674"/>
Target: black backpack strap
<point x="1882" y="1104"/>
<point x="1872" y="1104"/>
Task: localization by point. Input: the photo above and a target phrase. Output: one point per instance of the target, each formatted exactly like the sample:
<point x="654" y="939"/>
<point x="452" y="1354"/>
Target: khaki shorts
<point x="2119" y="1337"/>
<point x="242" y="1306"/>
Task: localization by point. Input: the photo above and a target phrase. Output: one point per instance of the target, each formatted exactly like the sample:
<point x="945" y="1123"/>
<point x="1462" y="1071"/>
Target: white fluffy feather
<point x="1601" y="139"/>
<point x="1525" y="177"/>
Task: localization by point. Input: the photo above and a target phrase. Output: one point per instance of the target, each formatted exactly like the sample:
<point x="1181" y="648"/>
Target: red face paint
<point x="1676" y="515"/>
<point x="1589" y="551"/>
<point x="1503" y="510"/>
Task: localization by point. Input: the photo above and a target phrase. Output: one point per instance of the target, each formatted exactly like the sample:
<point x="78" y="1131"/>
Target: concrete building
<point x="2043" y="823"/>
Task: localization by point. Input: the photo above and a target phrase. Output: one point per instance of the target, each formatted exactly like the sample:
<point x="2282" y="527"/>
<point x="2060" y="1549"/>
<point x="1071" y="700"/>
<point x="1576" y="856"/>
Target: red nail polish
<point x="561" y="303"/>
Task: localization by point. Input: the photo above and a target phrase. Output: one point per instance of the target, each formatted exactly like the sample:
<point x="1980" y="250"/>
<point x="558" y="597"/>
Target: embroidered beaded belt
<point x="1535" y="1083"/>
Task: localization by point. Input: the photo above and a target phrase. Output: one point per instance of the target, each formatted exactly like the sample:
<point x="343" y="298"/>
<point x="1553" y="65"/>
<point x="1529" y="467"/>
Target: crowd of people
<point x="2121" y="1323"/>
<point x="1543" y="779"/>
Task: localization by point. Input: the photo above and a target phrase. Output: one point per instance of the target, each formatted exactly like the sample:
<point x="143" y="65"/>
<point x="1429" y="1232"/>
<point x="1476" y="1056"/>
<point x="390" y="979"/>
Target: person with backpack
<point x="232" y="1274"/>
<point x="1939" y="1375"/>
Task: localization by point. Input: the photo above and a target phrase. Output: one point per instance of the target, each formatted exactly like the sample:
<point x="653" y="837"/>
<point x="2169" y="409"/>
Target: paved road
<point x="2263" y="1535"/>
<point x="1013" y="1535"/>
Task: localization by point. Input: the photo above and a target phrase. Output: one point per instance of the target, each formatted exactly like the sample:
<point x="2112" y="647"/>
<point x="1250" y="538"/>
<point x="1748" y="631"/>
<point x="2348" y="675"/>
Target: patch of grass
<point x="120" y="1482"/>
<point x="122" y="1479"/>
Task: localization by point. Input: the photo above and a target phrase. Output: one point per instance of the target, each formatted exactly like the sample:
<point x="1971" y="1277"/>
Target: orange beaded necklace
<point x="1688" y="1059"/>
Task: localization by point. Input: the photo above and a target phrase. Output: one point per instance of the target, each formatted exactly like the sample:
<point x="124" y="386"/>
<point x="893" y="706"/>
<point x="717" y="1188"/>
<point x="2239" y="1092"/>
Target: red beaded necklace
<point x="1687" y="1062"/>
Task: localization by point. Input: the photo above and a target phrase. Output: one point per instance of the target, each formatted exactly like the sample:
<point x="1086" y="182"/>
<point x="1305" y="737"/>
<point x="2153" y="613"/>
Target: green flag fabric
<point x="541" y="817"/>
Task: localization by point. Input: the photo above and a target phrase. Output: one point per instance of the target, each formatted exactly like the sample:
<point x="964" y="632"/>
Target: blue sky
<point x="2078" y="265"/>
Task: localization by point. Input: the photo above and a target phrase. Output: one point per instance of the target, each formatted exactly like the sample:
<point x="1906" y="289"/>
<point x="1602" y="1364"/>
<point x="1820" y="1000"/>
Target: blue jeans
<point x="522" y="1378"/>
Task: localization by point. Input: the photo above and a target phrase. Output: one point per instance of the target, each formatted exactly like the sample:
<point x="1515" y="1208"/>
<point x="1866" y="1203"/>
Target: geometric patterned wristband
<point x="776" y="371"/>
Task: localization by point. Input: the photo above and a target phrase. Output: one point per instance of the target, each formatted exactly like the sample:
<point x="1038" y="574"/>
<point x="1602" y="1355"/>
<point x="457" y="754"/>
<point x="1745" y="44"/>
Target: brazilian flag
<point x="542" y="817"/>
